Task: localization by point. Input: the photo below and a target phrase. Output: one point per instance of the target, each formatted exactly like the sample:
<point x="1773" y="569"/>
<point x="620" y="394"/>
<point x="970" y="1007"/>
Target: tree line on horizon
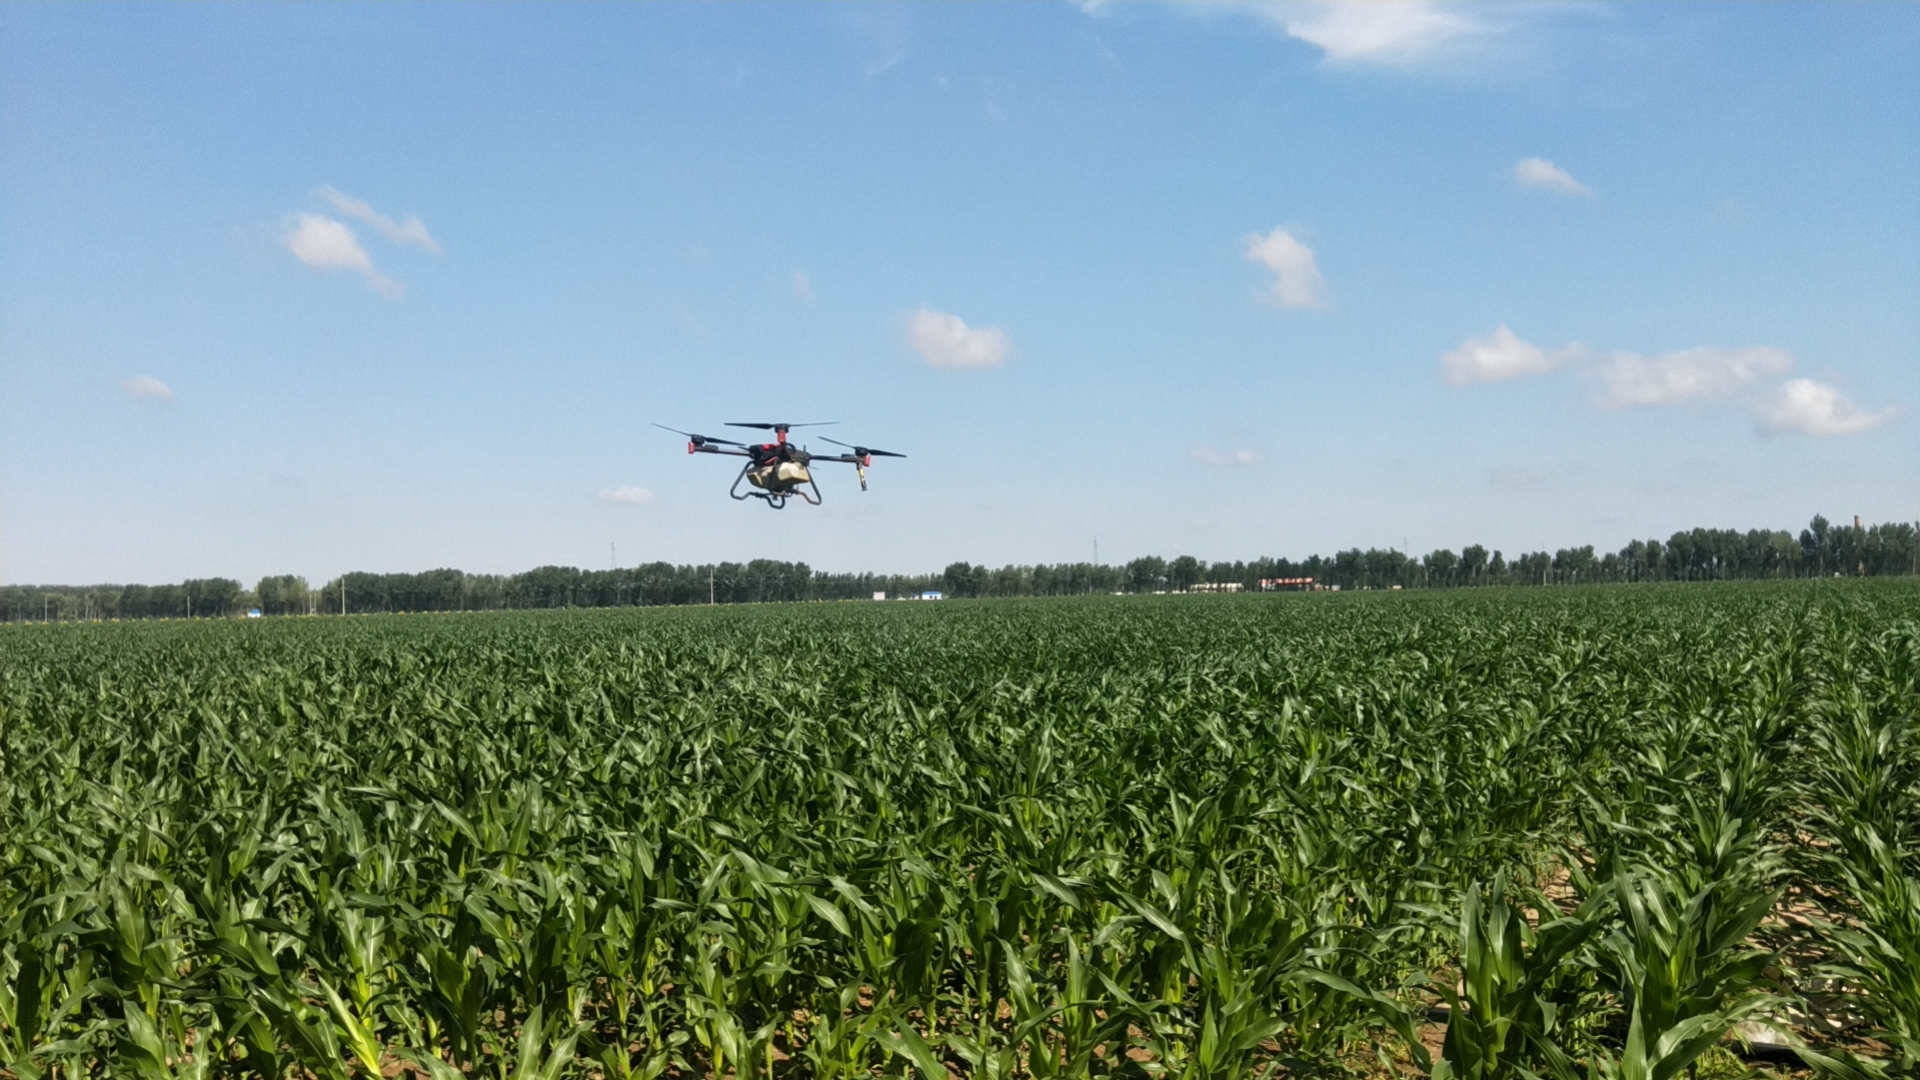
<point x="1821" y="550"/>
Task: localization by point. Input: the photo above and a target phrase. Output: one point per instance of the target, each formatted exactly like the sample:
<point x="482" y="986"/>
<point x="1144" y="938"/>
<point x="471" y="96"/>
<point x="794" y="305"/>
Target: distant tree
<point x="283" y="594"/>
<point x="1611" y="568"/>
<point x="1382" y="568"/>
<point x="1782" y="558"/>
<point x="1222" y="573"/>
<point x="1147" y="574"/>
<point x="1574" y="566"/>
<point x="965" y="580"/>
<point x="1690" y="555"/>
<point x="1473" y="564"/>
<point x="1010" y="581"/>
<point x="211" y="597"/>
<point x="1890" y="549"/>
<point x="1183" y="572"/>
<point x="1813" y="544"/>
<point x="1533" y="568"/>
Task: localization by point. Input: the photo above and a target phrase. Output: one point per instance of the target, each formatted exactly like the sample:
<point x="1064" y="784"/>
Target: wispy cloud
<point x="1815" y="408"/>
<point x="1383" y="32"/>
<point x="888" y="30"/>
<point x="1207" y="455"/>
<point x="1430" y="35"/>
<point x="1543" y="175"/>
<point x="1523" y="477"/>
<point x="1629" y="380"/>
<point x="146" y="388"/>
<point x="410" y="231"/>
<point x="1296" y="275"/>
<point x="628" y="495"/>
<point x="327" y="245"/>
<point x="1498" y="355"/>
<point x="802" y="287"/>
<point x="1515" y="477"/>
<point x="946" y="341"/>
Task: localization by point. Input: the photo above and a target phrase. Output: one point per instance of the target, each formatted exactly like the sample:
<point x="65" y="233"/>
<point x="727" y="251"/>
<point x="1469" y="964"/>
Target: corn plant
<point x="1217" y="837"/>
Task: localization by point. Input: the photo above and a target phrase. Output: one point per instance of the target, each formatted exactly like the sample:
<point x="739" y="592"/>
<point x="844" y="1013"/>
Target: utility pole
<point x="613" y="555"/>
<point x="709" y="584"/>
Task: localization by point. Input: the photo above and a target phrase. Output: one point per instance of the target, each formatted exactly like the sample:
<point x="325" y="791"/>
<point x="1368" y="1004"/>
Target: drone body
<point x="779" y="469"/>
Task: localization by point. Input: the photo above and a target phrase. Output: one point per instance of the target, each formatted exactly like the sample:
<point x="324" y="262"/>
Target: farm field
<point x="1563" y="833"/>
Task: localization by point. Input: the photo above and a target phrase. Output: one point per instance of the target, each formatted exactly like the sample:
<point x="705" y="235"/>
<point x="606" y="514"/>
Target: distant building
<point x="1286" y="584"/>
<point x="1214" y="586"/>
<point x="880" y="595"/>
<point x="932" y="595"/>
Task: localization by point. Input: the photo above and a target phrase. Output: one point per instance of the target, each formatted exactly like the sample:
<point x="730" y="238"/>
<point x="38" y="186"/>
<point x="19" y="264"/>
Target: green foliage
<point x="1700" y="555"/>
<point x="1186" y="838"/>
<point x="1519" y="985"/>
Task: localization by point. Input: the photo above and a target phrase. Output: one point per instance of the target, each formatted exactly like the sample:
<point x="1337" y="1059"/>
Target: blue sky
<point x="310" y="288"/>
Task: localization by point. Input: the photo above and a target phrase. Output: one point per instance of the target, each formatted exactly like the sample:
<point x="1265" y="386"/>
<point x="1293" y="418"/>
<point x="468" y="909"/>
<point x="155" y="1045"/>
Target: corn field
<point x="1557" y="835"/>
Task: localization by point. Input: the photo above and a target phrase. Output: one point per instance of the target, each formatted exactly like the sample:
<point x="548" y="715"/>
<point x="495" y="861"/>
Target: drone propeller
<point x="699" y="440"/>
<point x="780" y="427"/>
<point x="862" y="451"/>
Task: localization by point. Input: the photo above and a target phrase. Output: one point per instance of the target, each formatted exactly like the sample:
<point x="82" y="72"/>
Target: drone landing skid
<point x="778" y="499"/>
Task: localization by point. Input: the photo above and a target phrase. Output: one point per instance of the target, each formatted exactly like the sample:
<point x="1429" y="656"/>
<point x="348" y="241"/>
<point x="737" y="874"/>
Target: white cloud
<point x="1296" y="277"/>
<point x="1814" y="408"/>
<point x="1207" y="455"/>
<point x="410" y="231"/>
<point x="1372" y="32"/>
<point x="1630" y="380"/>
<point x="1500" y="354"/>
<point x="945" y="341"/>
<point x="325" y="244"/>
<point x="147" y="388"/>
<point x="627" y="494"/>
<point x="802" y="287"/>
<point x="1543" y="175"/>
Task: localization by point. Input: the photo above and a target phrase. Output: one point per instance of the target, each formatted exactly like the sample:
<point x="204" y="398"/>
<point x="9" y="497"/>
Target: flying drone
<point x="779" y="469"/>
